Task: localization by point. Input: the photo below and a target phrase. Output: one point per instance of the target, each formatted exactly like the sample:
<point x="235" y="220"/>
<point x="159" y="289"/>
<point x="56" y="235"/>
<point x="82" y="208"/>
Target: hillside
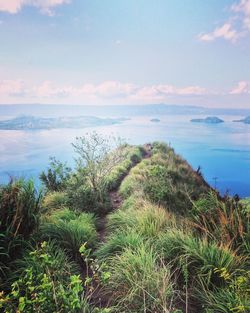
<point x="35" y="123"/>
<point x="129" y="230"/>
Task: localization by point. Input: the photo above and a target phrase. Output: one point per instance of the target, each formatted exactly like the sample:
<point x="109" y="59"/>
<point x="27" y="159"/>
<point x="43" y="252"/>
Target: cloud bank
<point x="110" y="92"/>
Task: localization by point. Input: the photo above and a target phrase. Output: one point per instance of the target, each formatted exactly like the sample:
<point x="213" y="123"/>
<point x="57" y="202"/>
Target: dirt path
<point x="116" y="199"/>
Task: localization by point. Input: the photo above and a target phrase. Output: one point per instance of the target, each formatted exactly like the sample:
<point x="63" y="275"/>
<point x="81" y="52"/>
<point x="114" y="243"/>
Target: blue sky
<point x="125" y="52"/>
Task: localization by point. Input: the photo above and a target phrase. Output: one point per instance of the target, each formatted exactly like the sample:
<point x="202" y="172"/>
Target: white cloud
<point x="115" y="92"/>
<point x="243" y="87"/>
<point x="12" y="87"/>
<point x="45" y="6"/>
<point x="237" y="26"/>
<point x="105" y="90"/>
<point x="243" y="7"/>
<point x="226" y="32"/>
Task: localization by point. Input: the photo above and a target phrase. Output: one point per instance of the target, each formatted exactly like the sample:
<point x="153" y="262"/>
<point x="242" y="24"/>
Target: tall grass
<point x="148" y="219"/>
<point x="117" y="242"/>
<point x="139" y="283"/>
<point x="224" y="221"/>
<point x="20" y="205"/>
<point x="165" y="179"/>
<point x="133" y="155"/>
<point x="70" y="230"/>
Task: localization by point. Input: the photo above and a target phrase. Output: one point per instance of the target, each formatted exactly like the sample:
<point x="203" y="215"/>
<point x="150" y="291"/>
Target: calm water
<point x="222" y="151"/>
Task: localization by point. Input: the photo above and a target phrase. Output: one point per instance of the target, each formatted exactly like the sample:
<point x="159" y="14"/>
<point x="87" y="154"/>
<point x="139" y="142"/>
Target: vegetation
<point x="134" y="229"/>
<point x="19" y="219"/>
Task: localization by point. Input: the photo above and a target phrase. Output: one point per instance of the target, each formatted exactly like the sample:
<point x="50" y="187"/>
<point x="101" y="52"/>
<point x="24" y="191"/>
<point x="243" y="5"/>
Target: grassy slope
<point x="160" y="258"/>
<point x="172" y="246"/>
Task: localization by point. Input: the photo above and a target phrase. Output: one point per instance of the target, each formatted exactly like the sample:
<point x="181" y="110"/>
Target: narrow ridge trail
<point x="116" y="199"/>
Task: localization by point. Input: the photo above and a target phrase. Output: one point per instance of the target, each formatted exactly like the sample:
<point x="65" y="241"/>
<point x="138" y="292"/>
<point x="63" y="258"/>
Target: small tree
<point x="98" y="155"/>
<point x="56" y="176"/>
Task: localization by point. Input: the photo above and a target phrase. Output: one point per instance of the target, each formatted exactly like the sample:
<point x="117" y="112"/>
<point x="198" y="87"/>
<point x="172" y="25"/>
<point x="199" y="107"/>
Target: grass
<point x="202" y="257"/>
<point x="165" y="179"/>
<point x="55" y="200"/>
<point x="70" y="230"/>
<point x="227" y="222"/>
<point x="117" y="242"/>
<point x="139" y="283"/>
<point x="148" y="219"/>
<point x="172" y="244"/>
<point x="20" y="208"/>
<point x="133" y="155"/>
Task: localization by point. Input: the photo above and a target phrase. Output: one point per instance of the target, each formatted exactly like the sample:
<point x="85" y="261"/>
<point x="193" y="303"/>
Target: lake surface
<point x="222" y="150"/>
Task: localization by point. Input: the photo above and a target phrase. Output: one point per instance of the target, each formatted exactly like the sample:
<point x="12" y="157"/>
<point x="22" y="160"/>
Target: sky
<point x="186" y="52"/>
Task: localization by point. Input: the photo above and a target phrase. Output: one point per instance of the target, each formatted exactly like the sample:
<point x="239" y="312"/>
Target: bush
<point x="165" y="179"/>
<point x="81" y="197"/>
<point x="45" y="285"/>
<point x="57" y="175"/>
<point x="55" y="200"/>
<point x="201" y="256"/>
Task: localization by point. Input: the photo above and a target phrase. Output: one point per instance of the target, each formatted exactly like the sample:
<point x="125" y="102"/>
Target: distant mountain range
<point x="111" y="111"/>
<point x="32" y="123"/>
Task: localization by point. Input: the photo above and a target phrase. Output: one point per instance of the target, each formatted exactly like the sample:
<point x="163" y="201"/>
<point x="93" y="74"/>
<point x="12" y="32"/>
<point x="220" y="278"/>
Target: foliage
<point x="225" y="221"/>
<point x="19" y="216"/>
<point x="55" y="179"/>
<point x="55" y="200"/>
<point x="117" y="242"/>
<point x="172" y="243"/>
<point x="139" y="283"/>
<point x="132" y="156"/>
<point x="165" y="179"/>
<point x="46" y="285"/>
<point x="81" y="196"/>
<point x="233" y="298"/>
<point x="70" y="230"/>
<point x="96" y="156"/>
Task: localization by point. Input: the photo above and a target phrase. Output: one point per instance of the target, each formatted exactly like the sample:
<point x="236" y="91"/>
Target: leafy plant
<point x="46" y="285"/>
<point x="57" y="175"/>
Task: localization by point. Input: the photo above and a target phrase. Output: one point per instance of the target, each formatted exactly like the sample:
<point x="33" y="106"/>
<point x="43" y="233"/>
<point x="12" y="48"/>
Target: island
<point x="37" y="123"/>
<point x="208" y="120"/>
<point x="245" y="120"/>
<point x="155" y="120"/>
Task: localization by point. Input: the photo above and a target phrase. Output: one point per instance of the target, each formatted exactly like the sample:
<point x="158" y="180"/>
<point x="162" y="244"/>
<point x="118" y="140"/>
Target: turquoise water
<point x="222" y="150"/>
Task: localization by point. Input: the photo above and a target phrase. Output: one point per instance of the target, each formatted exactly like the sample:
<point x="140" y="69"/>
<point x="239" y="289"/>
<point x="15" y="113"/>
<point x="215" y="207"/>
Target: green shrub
<point x="56" y="176"/>
<point x="148" y="219"/>
<point x="45" y="285"/>
<point x="81" y="197"/>
<point x="160" y="147"/>
<point x="55" y="200"/>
